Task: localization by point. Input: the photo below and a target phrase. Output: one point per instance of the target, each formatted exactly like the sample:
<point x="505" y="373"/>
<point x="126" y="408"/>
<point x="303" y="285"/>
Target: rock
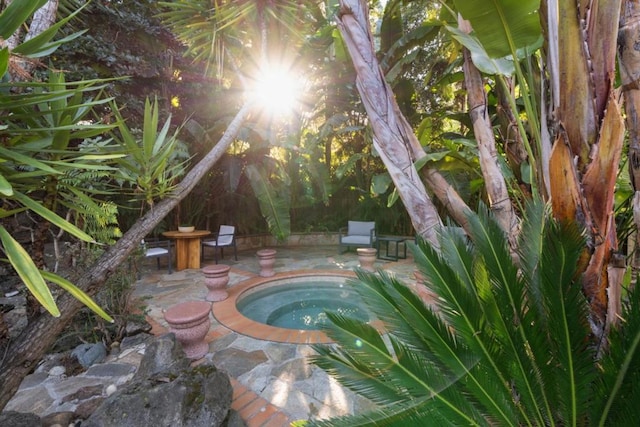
<point x="234" y="420"/>
<point x="58" y="419"/>
<point x="166" y="391"/>
<point x="57" y="371"/>
<point x="83" y="393"/>
<point x="88" y="407"/>
<point x="199" y="396"/>
<point x="163" y="355"/>
<point x="19" y="419"/>
<point x="88" y="354"/>
<point x="134" y="328"/>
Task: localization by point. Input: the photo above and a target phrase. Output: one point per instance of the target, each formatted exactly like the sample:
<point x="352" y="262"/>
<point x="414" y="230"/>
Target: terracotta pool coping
<point x="227" y="314"/>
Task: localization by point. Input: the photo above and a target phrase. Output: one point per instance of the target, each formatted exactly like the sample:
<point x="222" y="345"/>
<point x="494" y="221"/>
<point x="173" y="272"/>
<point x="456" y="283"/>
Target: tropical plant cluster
<point x="504" y="342"/>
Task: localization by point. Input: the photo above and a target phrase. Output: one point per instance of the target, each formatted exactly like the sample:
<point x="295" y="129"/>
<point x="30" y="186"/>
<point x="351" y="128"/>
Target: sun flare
<point x="277" y="91"/>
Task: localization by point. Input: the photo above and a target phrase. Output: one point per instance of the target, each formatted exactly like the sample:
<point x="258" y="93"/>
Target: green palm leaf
<point x="77" y="293"/>
<point x="28" y="272"/>
<point x="501" y="347"/>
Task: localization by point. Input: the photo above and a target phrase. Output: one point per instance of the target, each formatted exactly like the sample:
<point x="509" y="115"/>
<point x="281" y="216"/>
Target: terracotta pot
<point x="189" y="321"/>
<point x="367" y="257"/>
<point x="216" y="278"/>
<point x="266" y="259"/>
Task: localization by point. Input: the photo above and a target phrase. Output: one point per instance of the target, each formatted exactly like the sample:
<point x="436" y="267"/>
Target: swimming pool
<point x="301" y="302"/>
<point x="226" y="312"/>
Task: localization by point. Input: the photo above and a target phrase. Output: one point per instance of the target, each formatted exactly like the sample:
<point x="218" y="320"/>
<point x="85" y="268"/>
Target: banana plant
<point x="271" y="187"/>
<point x="504" y="343"/>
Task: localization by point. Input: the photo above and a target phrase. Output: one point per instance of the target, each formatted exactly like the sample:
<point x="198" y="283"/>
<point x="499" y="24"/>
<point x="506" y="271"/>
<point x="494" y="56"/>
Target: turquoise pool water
<point x="301" y="303"/>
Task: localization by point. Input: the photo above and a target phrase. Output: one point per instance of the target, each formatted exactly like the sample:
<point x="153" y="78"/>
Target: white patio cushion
<point x="156" y="252"/>
<point x="224" y="238"/>
<point x="361" y="228"/>
<point x="356" y="240"/>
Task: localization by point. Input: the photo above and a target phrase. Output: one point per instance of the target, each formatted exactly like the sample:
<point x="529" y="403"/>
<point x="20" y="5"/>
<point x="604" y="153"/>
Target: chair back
<point x="225" y="235"/>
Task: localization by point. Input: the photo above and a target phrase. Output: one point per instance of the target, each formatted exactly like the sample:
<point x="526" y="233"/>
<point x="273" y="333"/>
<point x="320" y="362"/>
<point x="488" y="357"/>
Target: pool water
<point x="301" y="304"/>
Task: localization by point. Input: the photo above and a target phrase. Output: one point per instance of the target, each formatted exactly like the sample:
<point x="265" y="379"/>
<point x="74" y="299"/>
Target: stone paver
<point x="273" y="383"/>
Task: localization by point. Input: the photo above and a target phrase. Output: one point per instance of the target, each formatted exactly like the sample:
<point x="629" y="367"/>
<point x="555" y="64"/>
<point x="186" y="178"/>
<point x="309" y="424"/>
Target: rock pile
<point x="147" y="383"/>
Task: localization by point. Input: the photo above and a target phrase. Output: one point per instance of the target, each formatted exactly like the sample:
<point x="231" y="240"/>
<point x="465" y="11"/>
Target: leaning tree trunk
<point x="589" y="137"/>
<point x="393" y="139"/>
<point x="30" y="346"/>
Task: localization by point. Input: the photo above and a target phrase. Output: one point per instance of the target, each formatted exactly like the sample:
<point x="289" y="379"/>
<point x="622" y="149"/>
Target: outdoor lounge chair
<point x="357" y="234"/>
<point x="156" y="248"/>
<point x="224" y="237"/>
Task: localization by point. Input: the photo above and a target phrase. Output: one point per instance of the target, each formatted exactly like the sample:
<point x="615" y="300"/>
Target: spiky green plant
<point x="507" y="343"/>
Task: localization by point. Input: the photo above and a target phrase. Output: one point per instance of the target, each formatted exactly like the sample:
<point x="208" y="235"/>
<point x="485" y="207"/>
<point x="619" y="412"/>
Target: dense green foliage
<point x="503" y="343"/>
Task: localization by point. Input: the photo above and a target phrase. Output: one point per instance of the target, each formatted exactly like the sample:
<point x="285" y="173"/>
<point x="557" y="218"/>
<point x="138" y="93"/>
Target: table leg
<point x="193" y="253"/>
<point x="182" y="254"/>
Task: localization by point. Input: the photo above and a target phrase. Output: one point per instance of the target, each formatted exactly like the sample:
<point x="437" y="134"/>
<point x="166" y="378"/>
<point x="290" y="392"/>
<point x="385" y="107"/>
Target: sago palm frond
<point x="508" y="342"/>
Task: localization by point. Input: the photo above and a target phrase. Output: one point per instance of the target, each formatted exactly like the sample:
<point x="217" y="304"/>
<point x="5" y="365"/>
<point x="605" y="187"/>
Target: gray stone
<point x="134" y="328"/>
<point x="199" y="396"/>
<point x="89" y="354"/>
<point x="19" y="419"/>
<point x="293" y="370"/>
<point x="85" y="408"/>
<point x="237" y="362"/>
<point x="33" y="380"/>
<point x="110" y="370"/>
<point x="234" y="420"/>
<point x="280" y="353"/>
<point x="84" y="393"/>
<point x="35" y="400"/>
<point x="71" y="385"/>
<point x="223" y="342"/>
<point x="132" y="341"/>
<point x="57" y="371"/>
<point x="163" y="355"/>
<point x="58" y="419"/>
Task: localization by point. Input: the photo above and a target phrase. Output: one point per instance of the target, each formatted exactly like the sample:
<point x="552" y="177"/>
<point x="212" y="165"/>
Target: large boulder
<point x="168" y="392"/>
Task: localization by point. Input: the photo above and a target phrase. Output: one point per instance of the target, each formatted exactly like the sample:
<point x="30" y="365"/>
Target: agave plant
<point x="507" y="342"/>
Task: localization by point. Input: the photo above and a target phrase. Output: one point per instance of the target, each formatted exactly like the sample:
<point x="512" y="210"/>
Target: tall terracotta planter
<point x="189" y="321"/>
<point x="216" y="278"/>
<point x="266" y="259"/>
<point x="367" y="257"/>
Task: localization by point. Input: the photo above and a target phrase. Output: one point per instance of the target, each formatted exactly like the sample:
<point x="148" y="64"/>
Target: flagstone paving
<point x="273" y="382"/>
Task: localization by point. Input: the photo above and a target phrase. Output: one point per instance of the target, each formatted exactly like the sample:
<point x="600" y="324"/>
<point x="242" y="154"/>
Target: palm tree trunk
<point x="22" y="355"/>
<point x="393" y="137"/>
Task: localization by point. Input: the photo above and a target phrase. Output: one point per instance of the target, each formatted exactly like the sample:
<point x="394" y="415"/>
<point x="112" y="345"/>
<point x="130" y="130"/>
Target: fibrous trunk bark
<point x="393" y="139"/>
<point x="589" y="136"/>
<point x="494" y="182"/>
<point x="22" y="355"/>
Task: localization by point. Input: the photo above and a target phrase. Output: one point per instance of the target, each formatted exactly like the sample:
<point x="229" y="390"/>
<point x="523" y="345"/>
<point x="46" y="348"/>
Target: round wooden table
<point x="187" y="247"/>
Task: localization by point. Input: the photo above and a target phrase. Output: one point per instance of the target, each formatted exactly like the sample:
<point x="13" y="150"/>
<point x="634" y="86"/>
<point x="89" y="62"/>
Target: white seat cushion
<point x="156" y="252"/>
<point x="356" y="240"/>
<point x="360" y="228"/>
